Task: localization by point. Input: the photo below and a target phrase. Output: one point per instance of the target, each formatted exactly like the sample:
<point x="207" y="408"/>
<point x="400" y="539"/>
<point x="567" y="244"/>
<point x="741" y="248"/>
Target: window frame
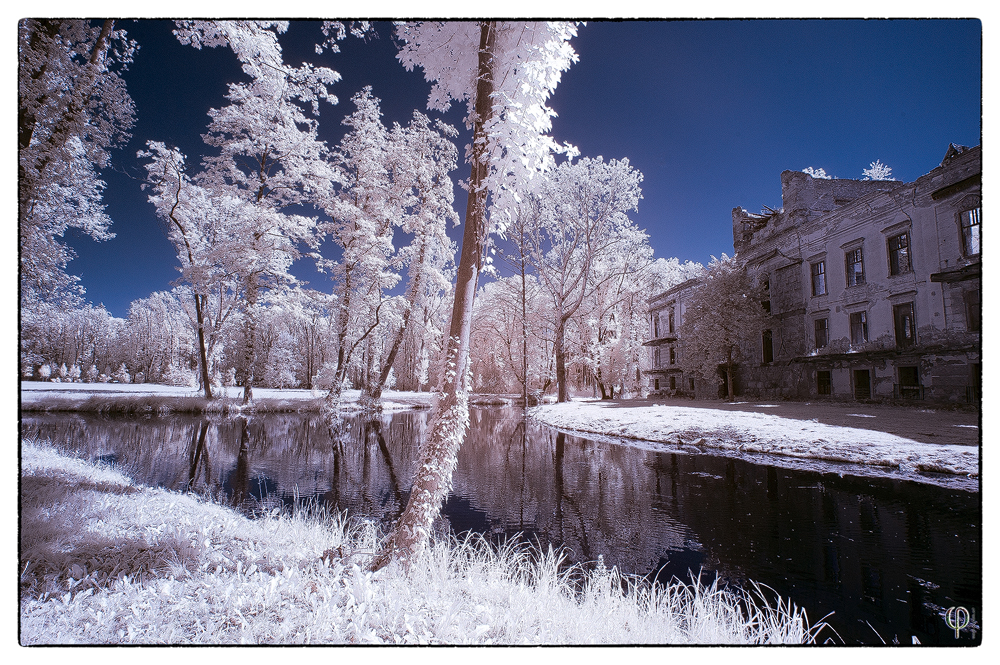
<point x="821" y="274"/>
<point x="894" y="254"/>
<point x="767" y="346"/>
<point x="977" y="213"/>
<point x="826" y="332"/>
<point x="854" y="278"/>
<point x="900" y="313"/>
<point x="862" y="322"/>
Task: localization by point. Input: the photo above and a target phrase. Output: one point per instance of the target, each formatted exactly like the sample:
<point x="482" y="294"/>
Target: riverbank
<point x="754" y="429"/>
<point x="144" y="398"/>
<point x="107" y="561"/>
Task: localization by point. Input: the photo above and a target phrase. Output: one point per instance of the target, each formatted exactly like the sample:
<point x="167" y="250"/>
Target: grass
<point x="105" y="561"/>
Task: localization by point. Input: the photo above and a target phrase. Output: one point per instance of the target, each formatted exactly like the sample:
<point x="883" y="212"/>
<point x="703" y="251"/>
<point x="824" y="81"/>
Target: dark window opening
<point x="670" y="321"/>
<point x="973" y="312"/>
<point x="656" y="324"/>
<point x="859" y="328"/>
<point x="822" y="330"/>
<point x="899" y="254"/>
<point x="909" y="382"/>
<point x="691" y="384"/>
<point x="862" y="384"/>
<point x="902" y="316"/>
<point x="768" y="347"/>
<point x="766" y="301"/>
<point x="824" y="382"/>
<point x="970" y="220"/>
<point x="673" y="383"/>
<point x="673" y="356"/>
<point x="818" y="271"/>
<point x="656" y="384"/>
<point x="855" y="265"/>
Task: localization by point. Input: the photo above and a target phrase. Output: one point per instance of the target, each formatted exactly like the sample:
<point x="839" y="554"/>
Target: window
<point x="824" y="384"/>
<point x="973" y="313"/>
<point x="673" y="383"/>
<point x="855" y="265"/>
<point x="691" y="384"/>
<point x="859" y="327"/>
<point x="899" y="254"/>
<point x="819" y="278"/>
<point x="766" y="300"/>
<point x="670" y="321"/>
<point x="768" y="347"/>
<point x="822" y="329"/>
<point x="970" y="231"/>
<point x="656" y="384"/>
<point x="673" y="356"/>
<point x="902" y="316"/>
<point x="655" y="317"/>
<point x="656" y="357"/>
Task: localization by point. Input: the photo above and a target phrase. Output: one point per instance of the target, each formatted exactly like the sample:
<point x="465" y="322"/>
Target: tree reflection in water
<point x="888" y="553"/>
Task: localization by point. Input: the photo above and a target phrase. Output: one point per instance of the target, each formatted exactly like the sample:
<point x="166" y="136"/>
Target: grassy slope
<point x="106" y="561"/>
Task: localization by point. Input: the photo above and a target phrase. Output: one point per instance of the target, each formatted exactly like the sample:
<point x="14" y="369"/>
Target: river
<point x="887" y="557"/>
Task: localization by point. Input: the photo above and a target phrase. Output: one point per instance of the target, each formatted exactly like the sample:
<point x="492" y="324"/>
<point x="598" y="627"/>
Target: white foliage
<point x="877" y="171"/>
<point x="817" y="173"/>
<point x="72" y="109"/>
<point x="529" y="60"/>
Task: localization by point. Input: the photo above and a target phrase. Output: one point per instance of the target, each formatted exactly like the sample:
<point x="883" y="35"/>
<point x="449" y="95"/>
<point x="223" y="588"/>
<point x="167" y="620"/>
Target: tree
<point x="425" y="160"/>
<point x="362" y="209"/>
<point x="505" y="72"/>
<point x="723" y="319"/>
<point x="582" y="238"/>
<point x="877" y="171"/>
<point x="72" y="109"/>
<point x="269" y="159"/>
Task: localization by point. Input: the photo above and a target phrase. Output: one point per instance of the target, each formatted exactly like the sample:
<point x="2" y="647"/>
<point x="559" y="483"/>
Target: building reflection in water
<point x="885" y="556"/>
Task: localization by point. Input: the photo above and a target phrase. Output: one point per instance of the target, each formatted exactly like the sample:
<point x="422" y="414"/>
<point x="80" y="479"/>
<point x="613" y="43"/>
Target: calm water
<point x="888" y="557"/>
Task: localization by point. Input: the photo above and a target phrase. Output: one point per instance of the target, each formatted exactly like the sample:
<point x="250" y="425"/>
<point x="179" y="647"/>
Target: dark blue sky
<point x="711" y="112"/>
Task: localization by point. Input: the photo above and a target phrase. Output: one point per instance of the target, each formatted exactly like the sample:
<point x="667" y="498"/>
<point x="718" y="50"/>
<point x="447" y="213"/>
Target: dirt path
<point x="923" y="424"/>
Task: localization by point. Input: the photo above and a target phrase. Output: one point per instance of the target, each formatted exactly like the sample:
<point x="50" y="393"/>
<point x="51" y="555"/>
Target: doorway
<point x="862" y="384"/>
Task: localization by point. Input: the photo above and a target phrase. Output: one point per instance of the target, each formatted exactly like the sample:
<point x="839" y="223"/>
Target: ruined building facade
<point x="665" y="375"/>
<point x="874" y="286"/>
<point x="872" y="289"/>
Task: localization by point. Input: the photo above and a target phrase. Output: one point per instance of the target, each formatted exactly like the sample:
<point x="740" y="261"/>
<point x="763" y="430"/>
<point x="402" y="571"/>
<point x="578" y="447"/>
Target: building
<point x="665" y="376"/>
<point x="874" y="286"/>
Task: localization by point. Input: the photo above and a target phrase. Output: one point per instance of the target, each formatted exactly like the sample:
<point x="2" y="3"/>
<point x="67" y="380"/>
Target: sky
<point x="710" y="111"/>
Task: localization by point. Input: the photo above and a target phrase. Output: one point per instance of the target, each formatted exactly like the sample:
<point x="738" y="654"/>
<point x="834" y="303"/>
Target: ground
<point x="923" y="424"/>
<point x="937" y="446"/>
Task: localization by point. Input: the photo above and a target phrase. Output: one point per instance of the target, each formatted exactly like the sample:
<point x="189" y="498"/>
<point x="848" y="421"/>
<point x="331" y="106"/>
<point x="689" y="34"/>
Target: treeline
<point x="295" y="339"/>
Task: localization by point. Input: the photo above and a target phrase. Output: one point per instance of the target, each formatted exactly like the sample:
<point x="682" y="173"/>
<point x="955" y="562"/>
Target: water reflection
<point x="887" y="556"/>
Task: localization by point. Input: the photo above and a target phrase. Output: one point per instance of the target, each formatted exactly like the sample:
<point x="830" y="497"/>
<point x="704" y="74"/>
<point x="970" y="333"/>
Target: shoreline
<point x="763" y="436"/>
<point x="104" y="560"/>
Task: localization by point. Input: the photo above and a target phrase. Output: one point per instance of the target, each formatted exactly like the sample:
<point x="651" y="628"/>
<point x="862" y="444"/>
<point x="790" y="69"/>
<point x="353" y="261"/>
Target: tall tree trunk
<point x="250" y="332"/>
<point x="202" y="352"/>
<point x="729" y="375"/>
<point x="524" y="333"/>
<point x="560" y="352"/>
<point x="439" y="452"/>
<point x="374" y="391"/>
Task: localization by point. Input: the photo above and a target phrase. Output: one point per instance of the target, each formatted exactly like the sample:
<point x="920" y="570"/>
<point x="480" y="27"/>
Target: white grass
<point x="748" y="432"/>
<point x="107" y="562"/>
<point x="38" y="394"/>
